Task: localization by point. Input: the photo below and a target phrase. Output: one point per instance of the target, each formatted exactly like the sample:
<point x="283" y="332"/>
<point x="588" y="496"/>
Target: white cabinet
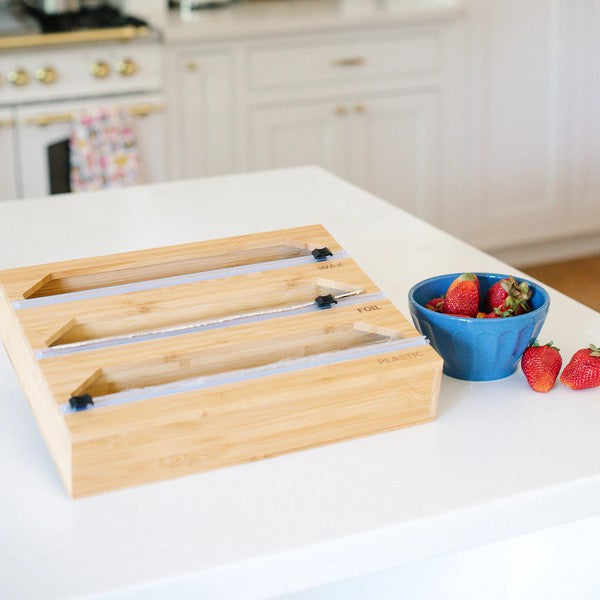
<point x="395" y="150"/>
<point x="303" y="134"/>
<point x="487" y="125"/>
<point x="582" y="66"/>
<point x="365" y="57"/>
<point x="535" y="122"/>
<point x="366" y="104"/>
<point x="201" y="113"/>
<point x="515" y="119"/>
<point x="8" y="166"/>
<point x="386" y="144"/>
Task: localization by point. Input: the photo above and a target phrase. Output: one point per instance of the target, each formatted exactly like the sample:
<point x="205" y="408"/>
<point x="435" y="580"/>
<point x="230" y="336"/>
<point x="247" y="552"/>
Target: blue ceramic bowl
<point x="477" y="349"/>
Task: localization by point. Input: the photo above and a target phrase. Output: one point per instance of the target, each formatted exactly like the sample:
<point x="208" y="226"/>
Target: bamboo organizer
<point x="154" y="364"/>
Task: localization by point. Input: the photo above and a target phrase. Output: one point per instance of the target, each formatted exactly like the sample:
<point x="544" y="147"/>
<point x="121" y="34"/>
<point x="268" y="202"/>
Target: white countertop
<point x="283" y="17"/>
<point x="499" y="461"/>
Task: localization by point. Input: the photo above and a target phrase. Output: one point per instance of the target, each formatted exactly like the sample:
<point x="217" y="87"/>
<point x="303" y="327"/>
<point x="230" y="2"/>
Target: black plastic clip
<point x="80" y="402"/>
<point x="325" y="301"/>
<point x="321" y="254"/>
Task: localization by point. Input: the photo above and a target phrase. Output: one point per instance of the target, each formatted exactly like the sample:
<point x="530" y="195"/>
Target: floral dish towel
<point x="103" y="150"/>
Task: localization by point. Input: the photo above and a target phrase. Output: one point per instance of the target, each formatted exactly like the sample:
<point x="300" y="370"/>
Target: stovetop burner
<point x="88" y="18"/>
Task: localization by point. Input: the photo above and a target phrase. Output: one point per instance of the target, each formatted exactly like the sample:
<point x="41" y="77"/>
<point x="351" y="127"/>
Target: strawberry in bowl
<point x="508" y="296"/>
<point x="462" y="296"/>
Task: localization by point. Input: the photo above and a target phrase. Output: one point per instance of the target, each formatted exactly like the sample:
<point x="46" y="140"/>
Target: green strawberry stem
<point x="549" y="344"/>
<point x="518" y="293"/>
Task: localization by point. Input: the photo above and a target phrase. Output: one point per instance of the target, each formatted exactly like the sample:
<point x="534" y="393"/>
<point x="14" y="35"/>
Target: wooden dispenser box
<point x="154" y="364"/>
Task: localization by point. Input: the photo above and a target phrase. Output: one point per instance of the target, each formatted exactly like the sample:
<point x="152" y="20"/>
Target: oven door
<point x="44" y="130"/>
<point x="8" y="163"/>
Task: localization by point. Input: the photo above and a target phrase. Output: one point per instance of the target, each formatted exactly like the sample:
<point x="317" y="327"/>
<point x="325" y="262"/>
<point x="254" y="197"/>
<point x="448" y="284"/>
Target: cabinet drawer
<point x="284" y="65"/>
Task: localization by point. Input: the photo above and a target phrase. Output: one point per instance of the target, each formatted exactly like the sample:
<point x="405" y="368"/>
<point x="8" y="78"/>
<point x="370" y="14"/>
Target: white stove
<point x="47" y="79"/>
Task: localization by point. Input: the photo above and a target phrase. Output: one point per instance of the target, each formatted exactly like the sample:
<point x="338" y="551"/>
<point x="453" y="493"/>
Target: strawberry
<point x="463" y="277"/>
<point x="462" y="297"/>
<point x="541" y="365"/>
<point x="435" y="304"/>
<point x="583" y="370"/>
<point x="509" y="294"/>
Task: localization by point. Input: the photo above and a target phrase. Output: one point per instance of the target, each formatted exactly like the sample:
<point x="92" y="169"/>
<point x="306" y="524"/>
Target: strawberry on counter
<point x="541" y="366"/>
<point x="583" y="370"/>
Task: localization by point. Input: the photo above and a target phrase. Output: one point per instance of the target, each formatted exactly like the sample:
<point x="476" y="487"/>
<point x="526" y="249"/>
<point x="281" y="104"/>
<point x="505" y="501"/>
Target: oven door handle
<point x="135" y="110"/>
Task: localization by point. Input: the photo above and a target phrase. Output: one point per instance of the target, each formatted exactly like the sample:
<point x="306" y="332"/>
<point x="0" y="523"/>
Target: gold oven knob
<point x="100" y="69"/>
<point x="46" y="75"/>
<point x="127" y="67"/>
<point x="18" y="77"/>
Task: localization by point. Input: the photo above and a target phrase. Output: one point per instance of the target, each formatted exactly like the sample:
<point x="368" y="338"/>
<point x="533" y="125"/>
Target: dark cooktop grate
<point x="98" y="18"/>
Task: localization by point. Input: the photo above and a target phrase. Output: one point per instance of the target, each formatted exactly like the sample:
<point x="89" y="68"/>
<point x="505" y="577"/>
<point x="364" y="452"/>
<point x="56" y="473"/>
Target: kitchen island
<point x="501" y="491"/>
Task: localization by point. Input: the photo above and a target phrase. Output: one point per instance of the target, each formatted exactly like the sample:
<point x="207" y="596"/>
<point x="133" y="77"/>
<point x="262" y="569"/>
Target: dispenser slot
<point x="78" y="280"/>
<point x="175" y="375"/>
<point x="214" y="309"/>
<point x="229" y="357"/>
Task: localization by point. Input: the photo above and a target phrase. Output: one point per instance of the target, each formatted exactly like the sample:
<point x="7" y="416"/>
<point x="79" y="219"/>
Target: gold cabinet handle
<point x="45" y="120"/>
<point x="361" y="109"/>
<point x="137" y="110"/>
<point x="127" y="67"/>
<point x="191" y="66"/>
<point x="143" y="110"/>
<point x="100" y="69"/>
<point x="7" y="123"/>
<point x="349" y="61"/>
<point x="340" y="110"/>
<point x="18" y="77"/>
<point x="46" y="75"/>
